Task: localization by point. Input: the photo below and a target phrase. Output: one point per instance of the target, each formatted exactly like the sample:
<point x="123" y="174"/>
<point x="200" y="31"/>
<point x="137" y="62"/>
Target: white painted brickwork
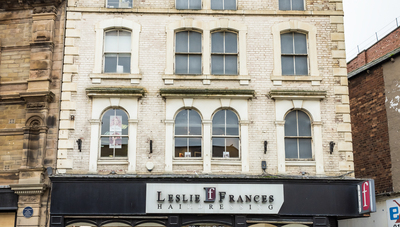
<point x="79" y="56"/>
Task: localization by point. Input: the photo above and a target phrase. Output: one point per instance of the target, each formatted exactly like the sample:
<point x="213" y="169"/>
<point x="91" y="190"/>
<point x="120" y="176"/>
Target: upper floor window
<point x="187" y="134"/>
<point x="119" y="3"/>
<point x="294" y="54"/>
<point x="114" y="134"/>
<point x="225" y="135"/>
<point x="291" y="4"/>
<point x="188" y="4"/>
<point x="298" y="135"/>
<point x="188" y="52"/>
<point x="223" y="4"/>
<point x="117" y="51"/>
<point x="224" y="53"/>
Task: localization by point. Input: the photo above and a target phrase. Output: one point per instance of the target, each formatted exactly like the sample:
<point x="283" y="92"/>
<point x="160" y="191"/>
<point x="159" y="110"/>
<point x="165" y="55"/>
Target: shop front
<point x="8" y="207"/>
<point x="207" y="202"/>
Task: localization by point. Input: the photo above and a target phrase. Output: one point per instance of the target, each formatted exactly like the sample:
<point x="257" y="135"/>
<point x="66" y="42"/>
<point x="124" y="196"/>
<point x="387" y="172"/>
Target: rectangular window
<point x="188" y="4"/>
<point x="291" y="4"/>
<point x="224" y="53"/>
<point x="117" y="52"/>
<point x="119" y="3"/>
<point x="294" y="54"/>
<point x="223" y="4"/>
<point x="188" y="53"/>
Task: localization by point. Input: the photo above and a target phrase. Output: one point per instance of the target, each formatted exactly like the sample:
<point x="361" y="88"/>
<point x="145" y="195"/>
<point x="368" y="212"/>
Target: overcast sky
<point x="362" y="18"/>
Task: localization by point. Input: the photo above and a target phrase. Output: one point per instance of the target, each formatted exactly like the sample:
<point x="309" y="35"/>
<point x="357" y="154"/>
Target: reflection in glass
<point x="187" y="134"/>
<point x="298" y="144"/>
<point x="225" y="140"/>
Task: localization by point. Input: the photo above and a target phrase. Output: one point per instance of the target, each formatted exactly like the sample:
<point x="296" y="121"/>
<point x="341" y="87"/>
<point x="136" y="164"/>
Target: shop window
<point x="114" y="134"/>
<point x="187" y="134"/>
<point x="119" y="3"/>
<point x="224" y="53"/>
<point x="188" y="4"/>
<point x="223" y="4"/>
<point x="291" y="4"/>
<point x="117" y="51"/>
<point x="188" y="52"/>
<point x="298" y="136"/>
<point x="225" y="135"/>
<point x="294" y="54"/>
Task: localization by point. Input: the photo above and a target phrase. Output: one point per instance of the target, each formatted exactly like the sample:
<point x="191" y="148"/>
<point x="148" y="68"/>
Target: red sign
<point x="366" y="197"/>
<point x="366" y="201"/>
<point x="210" y="194"/>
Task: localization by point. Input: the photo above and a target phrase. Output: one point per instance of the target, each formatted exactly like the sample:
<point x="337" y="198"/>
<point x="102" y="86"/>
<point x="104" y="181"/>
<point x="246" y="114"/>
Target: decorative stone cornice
<point x="38" y="96"/>
<point x="297" y="94"/>
<point x="28" y="4"/>
<point x="28" y="189"/>
<point x="190" y="92"/>
<point x="114" y="91"/>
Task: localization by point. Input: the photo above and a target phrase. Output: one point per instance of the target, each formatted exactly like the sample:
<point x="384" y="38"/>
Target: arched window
<point x="114" y="134"/>
<point x="294" y="54"/>
<point x="224" y="53"/>
<point x="188" y="134"/>
<point x="298" y="135"/>
<point x="188" y="52"/>
<point x="117" y="51"/>
<point x="225" y="135"/>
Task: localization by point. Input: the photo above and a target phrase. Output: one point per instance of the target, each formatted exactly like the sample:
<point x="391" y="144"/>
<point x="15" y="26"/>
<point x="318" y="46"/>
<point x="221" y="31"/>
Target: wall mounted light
<point x="263" y="165"/>
<point x="79" y="142"/>
<point x="265" y="146"/>
<point x="331" y="146"/>
<point x="151" y="146"/>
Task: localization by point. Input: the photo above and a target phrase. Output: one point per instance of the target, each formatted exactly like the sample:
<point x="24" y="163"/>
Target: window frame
<point x="189" y="53"/>
<point x="294" y="55"/>
<point x="104" y="136"/>
<point x="224" y="53"/>
<point x="188" y="136"/>
<point x="225" y="136"/>
<point x="223" y="5"/>
<point x="119" y="5"/>
<point x="291" y="6"/>
<point x="117" y="53"/>
<point x="298" y="137"/>
<point x="176" y="6"/>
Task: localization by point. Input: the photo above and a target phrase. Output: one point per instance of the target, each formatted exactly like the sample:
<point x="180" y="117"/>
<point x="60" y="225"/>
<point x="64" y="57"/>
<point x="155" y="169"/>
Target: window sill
<point x="231" y="162"/>
<point x="300" y="163"/>
<point x="112" y="162"/>
<point x="187" y="162"/>
<point x="277" y="80"/>
<point x="169" y="78"/>
<point x="97" y="77"/>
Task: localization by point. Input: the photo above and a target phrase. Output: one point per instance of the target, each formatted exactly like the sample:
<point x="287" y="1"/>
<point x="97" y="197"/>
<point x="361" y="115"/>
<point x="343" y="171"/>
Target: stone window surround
<point x="310" y="103"/>
<point x="206" y="29"/>
<point x="116" y="23"/>
<point x="206" y="107"/>
<point x="295" y="26"/>
<point x="100" y="105"/>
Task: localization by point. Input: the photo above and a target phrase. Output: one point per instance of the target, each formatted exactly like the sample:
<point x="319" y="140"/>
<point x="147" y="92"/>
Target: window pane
<point x="194" y="123"/>
<point x="124" y="63"/>
<point x="305" y="148"/>
<point x="217" y="42"/>
<point x="111" y="41"/>
<point x="287" y="65"/>
<point x="301" y="65"/>
<point x="112" y="3"/>
<point x="194" y="42"/>
<point x="194" y="64"/>
<point x="105" y="122"/>
<point x="230" y="65"/>
<point x="182" y="4"/>
<point x="232" y="123"/>
<point x="124" y="44"/>
<point x="218" y="147"/>
<point x="232" y="146"/>
<point x="230" y="5"/>
<point x="123" y="144"/>
<point x="217" y="4"/>
<point x="126" y="3"/>
<point x="110" y="63"/>
<point x="217" y="64"/>
<point x="218" y="123"/>
<point x="181" y="64"/>
<point x="105" y="150"/>
<point x="304" y="124"/>
<point x="195" y="147"/>
<point x="181" y="42"/>
<point x="284" y="4"/>
<point x="180" y="147"/>
<point x="230" y="42"/>
<point x="291" y="148"/>
<point x="181" y="123"/>
<point x="291" y="124"/>
<point x="287" y="43"/>
<point x="298" y="5"/>
<point x="195" y="4"/>
<point x="125" y="122"/>
<point x="300" y="43"/>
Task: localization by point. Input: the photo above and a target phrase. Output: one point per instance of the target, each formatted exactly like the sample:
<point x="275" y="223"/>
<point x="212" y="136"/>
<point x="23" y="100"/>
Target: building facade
<point x="374" y="94"/>
<point x="164" y="101"/>
<point x="31" y="54"/>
